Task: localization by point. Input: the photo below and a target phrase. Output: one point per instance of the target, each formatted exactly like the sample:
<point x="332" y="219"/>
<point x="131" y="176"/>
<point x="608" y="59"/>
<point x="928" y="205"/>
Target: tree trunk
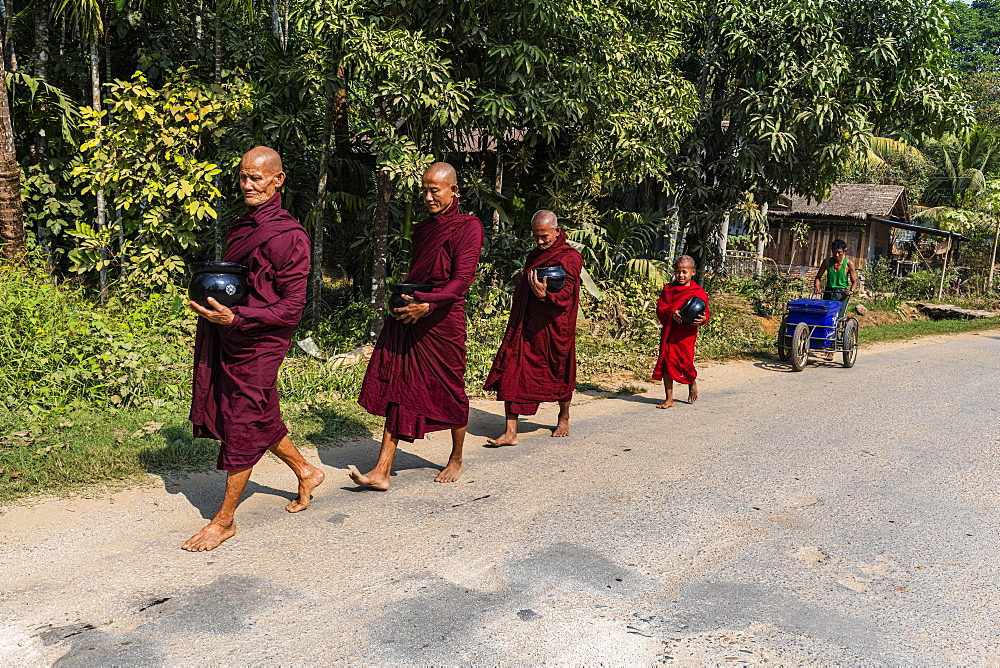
<point x="107" y="58"/>
<point x="39" y="64"/>
<point x="341" y="128"/>
<point x="284" y="25"/>
<point x="38" y="61"/>
<point x="319" y="220"/>
<point x="498" y="190"/>
<point x="993" y="259"/>
<point x="95" y="92"/>
<point x="761" y="239"/>
<point x="217" y="42"/>
<point x="11" y="212"/>
<point x="217" y="79"/>
<point x="276" y="30"/>
<point x="383" y="193"/>
<point x="8" y="42"/>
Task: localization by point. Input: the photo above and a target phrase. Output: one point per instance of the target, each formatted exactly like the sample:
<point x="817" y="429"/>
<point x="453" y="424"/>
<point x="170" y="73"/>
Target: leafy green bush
<point x="60" y="350"/>
<point x="768" y="293"/>
<point x="732" y="330"/>
<point x="922" y="284"/>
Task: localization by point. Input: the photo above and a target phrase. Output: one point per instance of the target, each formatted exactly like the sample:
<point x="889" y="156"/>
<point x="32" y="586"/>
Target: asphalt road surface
<point x="844" y="516"/>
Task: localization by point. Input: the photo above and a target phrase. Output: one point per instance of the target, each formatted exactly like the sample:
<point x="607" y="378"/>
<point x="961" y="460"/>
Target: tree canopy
<point x="590" y="108"/>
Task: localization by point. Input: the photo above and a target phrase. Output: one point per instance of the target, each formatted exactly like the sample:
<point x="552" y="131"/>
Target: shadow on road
<point x="775" y="365"/>
<point x="483" y="425"/>
<point x="814" y="362"/>
<point x="641" y="399"/>
<point x="364" y="454"/>
<point x="206" y="498"/>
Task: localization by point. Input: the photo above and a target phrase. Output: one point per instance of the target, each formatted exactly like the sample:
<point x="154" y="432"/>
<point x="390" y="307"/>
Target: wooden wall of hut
<point x="817" y="247"/>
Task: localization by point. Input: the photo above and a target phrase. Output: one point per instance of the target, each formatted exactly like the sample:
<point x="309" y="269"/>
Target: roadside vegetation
<point x="95" y="394"/>
<point x="644" y="126"/>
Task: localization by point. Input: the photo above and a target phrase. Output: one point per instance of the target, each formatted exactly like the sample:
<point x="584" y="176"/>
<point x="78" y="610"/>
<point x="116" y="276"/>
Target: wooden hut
<point x="862" y="214"/>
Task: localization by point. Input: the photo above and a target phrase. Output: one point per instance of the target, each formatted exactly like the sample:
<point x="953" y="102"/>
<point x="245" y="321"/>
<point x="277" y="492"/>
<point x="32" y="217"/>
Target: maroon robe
<point x="676" y="359"/>
<point x="235" y="396"/>
<point x="536" y="361"/>
<point x="416" y="376"/>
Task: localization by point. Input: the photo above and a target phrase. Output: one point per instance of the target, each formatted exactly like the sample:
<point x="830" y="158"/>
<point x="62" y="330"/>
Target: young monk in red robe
<point x="536" y="361"/>
<point x="416" y="376"/>
<point x="676" y="360"/>
<point x="238" y="350"/>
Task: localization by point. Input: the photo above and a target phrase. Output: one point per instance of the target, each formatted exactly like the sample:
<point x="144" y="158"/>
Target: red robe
<point x="235" y="398"/>
<point x="536" y="361"/>
<point x="416" y="376"/>
<point x="676" y="360"/>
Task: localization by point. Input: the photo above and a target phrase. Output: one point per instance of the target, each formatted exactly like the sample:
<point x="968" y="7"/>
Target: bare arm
<point x="817" y="286"/>
<point x="852" y="273"/>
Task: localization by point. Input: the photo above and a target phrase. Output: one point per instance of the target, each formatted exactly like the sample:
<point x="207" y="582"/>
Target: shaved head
<point x="260" y="175"/>
<point x="684" y="270"/>
<point x="264" y="157"/>
<point x="685" y="260"/>
<point x="440" y="186"/>
<point x="544" y="219"/>
<point x="441" y="172"/>
<point x="545" y="229"/>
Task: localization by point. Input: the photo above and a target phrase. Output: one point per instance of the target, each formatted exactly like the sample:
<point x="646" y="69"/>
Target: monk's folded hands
<point x="537" y="287"/>
<point x="413" y="311"/>
<point x="220" y="315"/>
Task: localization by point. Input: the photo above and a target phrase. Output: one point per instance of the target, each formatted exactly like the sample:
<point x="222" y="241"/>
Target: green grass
<point x="911" y="330"/>
<point x="79" y="449"/>
<point x="59" y="434"/>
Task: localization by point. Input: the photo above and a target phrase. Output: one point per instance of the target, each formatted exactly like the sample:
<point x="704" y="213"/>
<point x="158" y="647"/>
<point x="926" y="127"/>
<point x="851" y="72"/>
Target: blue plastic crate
<point x="820" y="314"/>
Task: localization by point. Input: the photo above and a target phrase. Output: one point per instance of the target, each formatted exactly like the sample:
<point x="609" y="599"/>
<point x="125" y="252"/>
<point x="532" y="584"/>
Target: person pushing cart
<point x="841" y="276"/>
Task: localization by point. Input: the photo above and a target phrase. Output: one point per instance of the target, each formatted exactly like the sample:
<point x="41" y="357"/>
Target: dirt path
<point x="830" y="516"/>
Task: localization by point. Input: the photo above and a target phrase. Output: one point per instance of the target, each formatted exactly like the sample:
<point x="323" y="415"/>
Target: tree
<point x="965" y="162"/>
<point x="790" y="90"/>
<point x="983" y="89"/>
<point x="163" y="191"/>
<point x="11" y="212"/>
<point x="975" y="35"/>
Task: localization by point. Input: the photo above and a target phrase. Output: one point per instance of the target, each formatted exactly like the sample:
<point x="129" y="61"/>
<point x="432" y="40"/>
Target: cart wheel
<point x="783" y="341"/>
<point x="799" y="351"/>
<point x="850" y="343"/>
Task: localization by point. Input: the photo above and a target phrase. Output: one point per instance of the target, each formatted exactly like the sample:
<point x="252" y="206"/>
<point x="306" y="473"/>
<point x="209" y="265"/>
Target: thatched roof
<point x="857" y="201"/>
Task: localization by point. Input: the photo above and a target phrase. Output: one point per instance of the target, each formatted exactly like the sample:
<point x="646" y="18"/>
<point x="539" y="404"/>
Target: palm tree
<point x="615" y="246"/>
<point x="11" y="211"/>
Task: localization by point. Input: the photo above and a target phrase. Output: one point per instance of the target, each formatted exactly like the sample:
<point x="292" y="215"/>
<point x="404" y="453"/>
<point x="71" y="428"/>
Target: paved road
<point x="831" y="516"/>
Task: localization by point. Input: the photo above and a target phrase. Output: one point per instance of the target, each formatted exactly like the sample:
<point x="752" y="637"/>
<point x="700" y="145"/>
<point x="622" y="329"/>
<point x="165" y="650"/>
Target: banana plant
<point x="615" y="247"/>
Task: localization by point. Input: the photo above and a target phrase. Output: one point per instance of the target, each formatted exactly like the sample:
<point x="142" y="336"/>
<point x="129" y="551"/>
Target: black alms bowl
<point x="692" y="308"/>
<point x="556" y="276"/>
<point x="224" y="281"/>
<point x="396" y="290"/>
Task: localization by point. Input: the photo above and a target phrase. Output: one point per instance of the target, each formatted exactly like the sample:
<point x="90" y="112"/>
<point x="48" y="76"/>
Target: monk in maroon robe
<point x="536" y="361"/>
<point x="416" y="376"/>
<point x="676" y="360"/>
<point x="238" y="350"/>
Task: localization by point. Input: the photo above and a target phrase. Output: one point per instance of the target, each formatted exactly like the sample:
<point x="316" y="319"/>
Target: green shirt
<point x="836" y="279"/>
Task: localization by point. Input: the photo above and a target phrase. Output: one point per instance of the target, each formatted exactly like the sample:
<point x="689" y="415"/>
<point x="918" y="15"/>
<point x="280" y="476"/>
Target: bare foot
<point x="373" y="480"/>
<point x="505" y="438"/>
<point x="669" y="403"/>
<point x="692" y="393"/>
<point x="311" y="481"/>
<point x="562" y="428"/>
<point x="451" y="472"/>
<point x="211" y="537"/>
